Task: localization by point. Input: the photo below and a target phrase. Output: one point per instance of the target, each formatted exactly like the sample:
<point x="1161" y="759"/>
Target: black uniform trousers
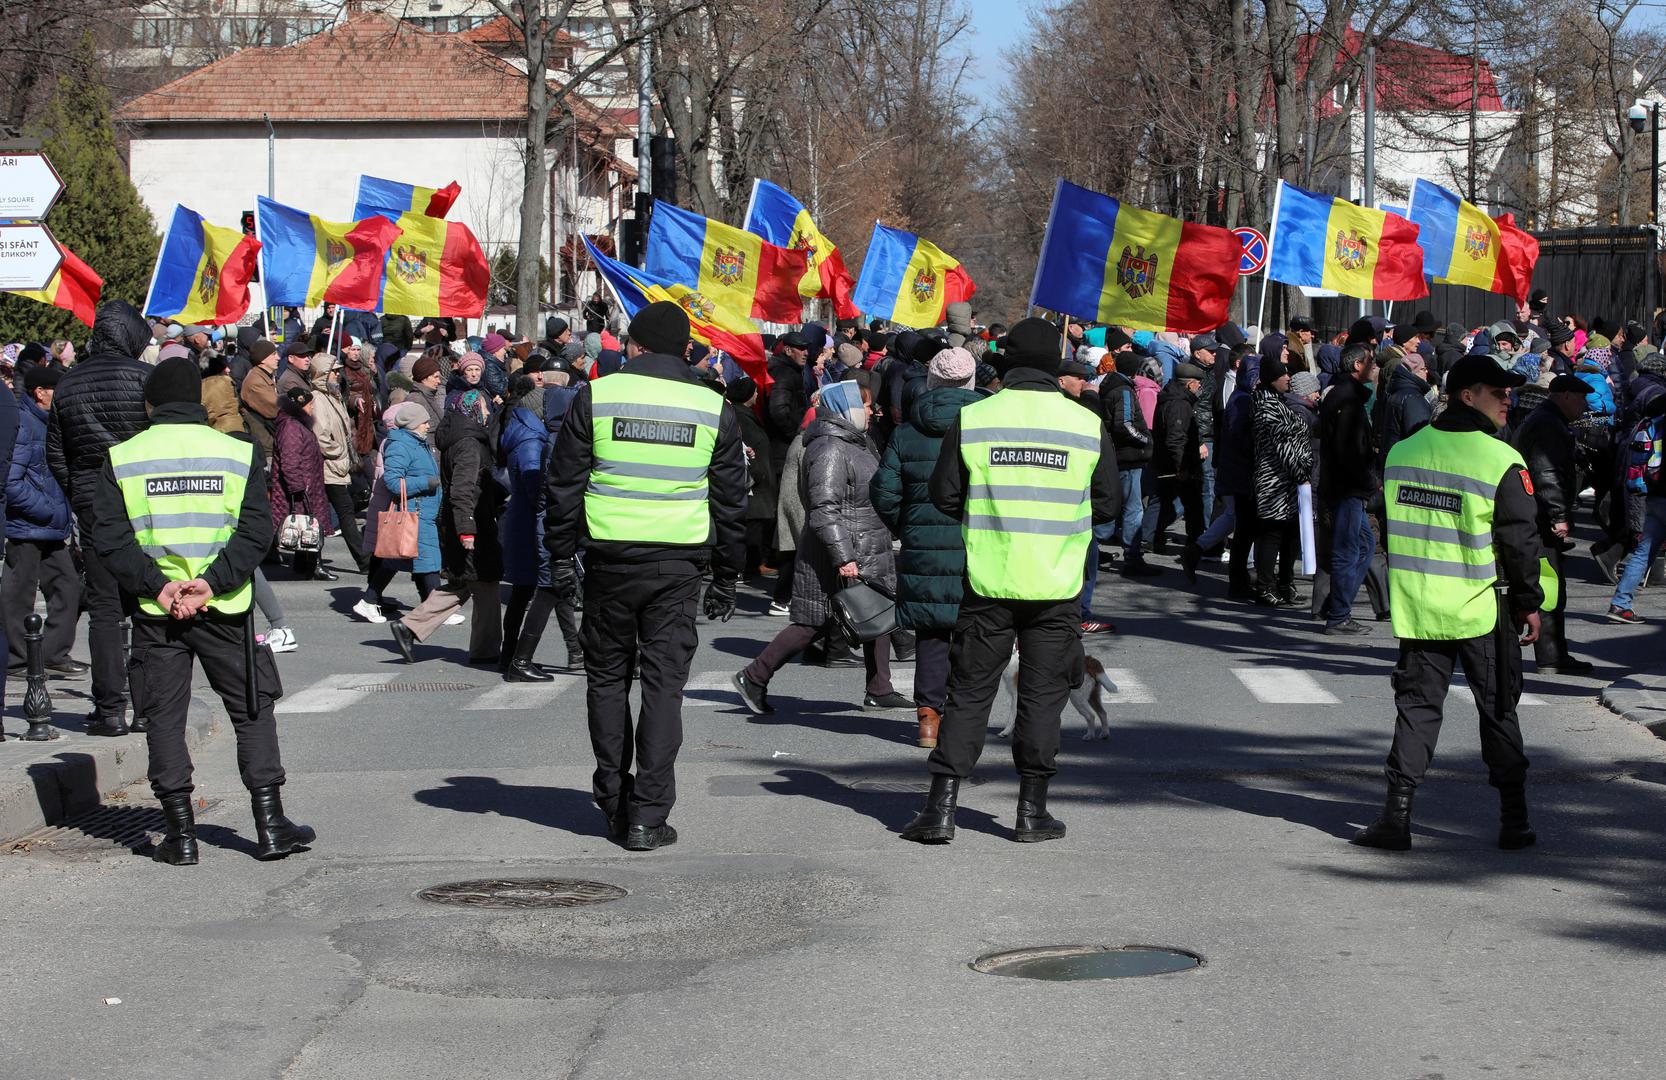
<point x="1492" y="664"/>
<point x="1049" y="635"/>
<point x="642" y="612"/>
<point x="47" y="566"/>
<point x="160" y="667"/>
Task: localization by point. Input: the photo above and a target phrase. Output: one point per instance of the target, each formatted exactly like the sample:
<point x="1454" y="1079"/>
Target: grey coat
<point x="789" y="504"/>
<point x="841" y="524"/>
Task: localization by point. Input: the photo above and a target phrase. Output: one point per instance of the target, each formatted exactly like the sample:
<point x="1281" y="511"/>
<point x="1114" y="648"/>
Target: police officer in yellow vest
<point x="1027" y="472"/>
<point x="649" y="478"/>
<point x="1464" y="579"/>
<point x="182" y="521"/>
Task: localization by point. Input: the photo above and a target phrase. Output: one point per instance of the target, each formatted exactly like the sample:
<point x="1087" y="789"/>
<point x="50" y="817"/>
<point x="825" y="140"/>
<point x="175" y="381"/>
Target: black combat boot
<point x="935" y="824"/>
<point x="1513" y="831"/>
<point x="1034" y="822"/>
<point x="521" y="668"/>
<point x="275" y="834"/>
<point x="1392" y="831"/>
<point x="179" y="843"/>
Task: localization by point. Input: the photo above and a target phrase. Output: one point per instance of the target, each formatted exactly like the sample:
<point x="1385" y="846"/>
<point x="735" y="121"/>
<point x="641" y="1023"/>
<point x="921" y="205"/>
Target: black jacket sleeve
<point x="1516" y="539"/>
<point x="948" y="479"/>
<point x="462" y="485"/>
<point x="56" y="462"/>
<point x="1107" y="481"/>
<point x="571" y="460"/>
<point x="726" y="481"/>
<point x="783" y="409"/>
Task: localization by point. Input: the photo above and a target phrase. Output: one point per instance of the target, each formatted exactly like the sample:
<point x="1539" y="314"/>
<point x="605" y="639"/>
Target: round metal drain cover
<point x="1080" y="963"/>
<point x="521" y="893"/>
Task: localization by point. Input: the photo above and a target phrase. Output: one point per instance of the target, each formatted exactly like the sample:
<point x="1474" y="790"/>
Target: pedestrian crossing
<point x="480" y="692"/>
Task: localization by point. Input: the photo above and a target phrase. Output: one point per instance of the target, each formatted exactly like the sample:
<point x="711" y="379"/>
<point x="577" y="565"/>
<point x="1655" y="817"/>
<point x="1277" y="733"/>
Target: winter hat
<point x="1127" y="364"/>
<point x="959" y="316"/>
<point x="1117" y="339"/>
<point x="1090" y="355"/>
<point x="1654" y="363"/>
<point x="951" y="367"/>
<point x="1032" y="343"/>
<point x="493" y="342"/>
<point x="851" y="356"/>
<point x="661" y="327"/>
<point x="903" y="344"/>
<point x="1271" y="371"/>
<point x="1304" y="383"/>
<point x="1365" y="330"/>
<point x="926" y="348"/>
<point x="554" y="327"/>
<point x="986" y="374"/>
<point x="410" y="416"/>
<point x="471" y="359"/>
<point x="424" y="367"/>
<point x="175" y="380"/>
<point x="32" y="353"/>
<point x="1229" y="335"/>
<point x="1558" y="333"/>
<point x="741" y="390"/>
<point x="296" y="399"/>
<point x="1404" y="332"/>
<point x="171" y="350"/>
<point x="1202" y="341"/>
<point x="1425" y="323"/>
<point x="261" y="350"/>
<point x="41" y="375"/>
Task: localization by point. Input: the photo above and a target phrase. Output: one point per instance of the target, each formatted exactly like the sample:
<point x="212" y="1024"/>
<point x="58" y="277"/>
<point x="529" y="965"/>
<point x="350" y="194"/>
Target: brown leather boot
<point x="929" y="719"/>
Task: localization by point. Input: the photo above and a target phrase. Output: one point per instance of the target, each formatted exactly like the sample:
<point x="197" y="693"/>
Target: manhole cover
<point x="1078" y="963"/>
<point x="904" y="787"/>
<point x="101" y="831"/>
<point x="521" y="893"/>
<point x="413" y="688"/>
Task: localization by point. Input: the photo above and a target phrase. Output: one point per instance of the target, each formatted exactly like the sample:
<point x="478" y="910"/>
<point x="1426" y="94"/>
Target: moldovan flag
<point x="1324" y="242"/>
<point x="908" y="280"/>
<point x="75" y="288"/>
<point x="709" y="322"/>
<point x="1105" y="262"/>
<point x="436" y="267"/>
<point x="1463" y="246"/>
<point x="393" y="199"/>
<point x="202" y="272"/>
<point x="307" y="261"/>
<point x="782" y="220"/>
<point x="733" y="268"/>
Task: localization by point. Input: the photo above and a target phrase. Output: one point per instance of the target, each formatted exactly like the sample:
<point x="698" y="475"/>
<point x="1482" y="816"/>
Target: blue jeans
<point x="1133" y="513"/>
<point x="1220" y="528"/>
<point x="1090" y="573"/>
<point x="1209" y="484"/>
<point x="1352" y="543"/>
<point x="1654" y="533"/>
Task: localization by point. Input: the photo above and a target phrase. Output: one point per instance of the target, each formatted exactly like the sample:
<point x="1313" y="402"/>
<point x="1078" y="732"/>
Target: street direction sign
<point x="29" y="256"/>
<point x="1255" y="250"/>
<point x="29" y="185"/>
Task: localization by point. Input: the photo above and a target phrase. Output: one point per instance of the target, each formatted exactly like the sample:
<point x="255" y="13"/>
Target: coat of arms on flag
<point x="729" y="265"/>
<point x="1350" y="248"/>
<point x="924" y="284"/>
<point x="410" y="263"/>
<point x="1477" y="241"/>
<point x="335" y="253"/>
<point x="1136" y="271"/>
<point x="699" y="308"/>
<point x="208" y="284"/>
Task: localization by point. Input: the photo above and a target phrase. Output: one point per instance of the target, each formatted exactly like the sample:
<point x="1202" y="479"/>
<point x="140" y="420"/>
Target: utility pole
<point x="1370" y="193"/>
<point x="644" y="136"/>
<point x="1474" y="98"/>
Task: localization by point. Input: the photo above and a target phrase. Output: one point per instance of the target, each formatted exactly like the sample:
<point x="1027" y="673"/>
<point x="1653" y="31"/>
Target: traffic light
<point x="662" y="161"/>
<point x="248" y="222"/>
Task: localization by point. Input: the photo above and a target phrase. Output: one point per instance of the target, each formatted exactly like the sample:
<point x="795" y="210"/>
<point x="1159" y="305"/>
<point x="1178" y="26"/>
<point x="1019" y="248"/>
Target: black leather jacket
<point x="1546" y="443"/>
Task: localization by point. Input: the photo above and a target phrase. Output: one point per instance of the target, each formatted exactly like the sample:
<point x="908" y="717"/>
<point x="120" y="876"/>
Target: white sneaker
<point x="369" y="612"/>
<point x="779" y="609"/>
<point x="457" y="619"/>
<point x="281" y="639"/>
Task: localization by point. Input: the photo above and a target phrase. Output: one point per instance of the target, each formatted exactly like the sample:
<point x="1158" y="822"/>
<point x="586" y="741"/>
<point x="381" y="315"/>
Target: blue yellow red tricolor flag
<point x="782" y="220"/>
<point x="1102" y="261"/>
<point x="1327" y="243"/>
<point x="75" y="288"/>
<point x="202" y="272"/>
<point x="307" y="261"/>
<point x="1463" y="246"/>
<point x="393" y="198"/>
<point x="734" y="268"/>
<point x="435" y="267"/>
<point x="709" y="322"/>
<point x="908" y="280"/>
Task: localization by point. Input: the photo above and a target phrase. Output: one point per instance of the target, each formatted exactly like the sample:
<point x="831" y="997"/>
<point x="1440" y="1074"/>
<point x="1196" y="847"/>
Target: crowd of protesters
<point x="1266" y="451"/>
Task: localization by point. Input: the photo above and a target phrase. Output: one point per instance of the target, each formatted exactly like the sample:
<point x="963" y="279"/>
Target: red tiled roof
<point x="1413" y="78"/>
<point x="500" y="31"/>
<point x="370" y="67"/>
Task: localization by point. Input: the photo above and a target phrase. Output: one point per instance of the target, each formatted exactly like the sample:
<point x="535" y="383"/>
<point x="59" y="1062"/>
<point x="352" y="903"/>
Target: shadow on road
<point x="551" y="807"/>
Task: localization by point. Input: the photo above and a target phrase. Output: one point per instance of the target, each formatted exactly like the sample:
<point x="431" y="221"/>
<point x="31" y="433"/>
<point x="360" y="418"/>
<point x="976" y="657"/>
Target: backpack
<point x="1643" y="455"/>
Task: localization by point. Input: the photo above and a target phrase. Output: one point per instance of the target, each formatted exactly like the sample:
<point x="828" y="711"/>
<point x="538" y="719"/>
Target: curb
<point x="47" y="783"/>
<point x="1640" y="699"/>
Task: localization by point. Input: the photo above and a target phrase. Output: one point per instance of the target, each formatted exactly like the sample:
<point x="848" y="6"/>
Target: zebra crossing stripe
<point x="1130" y="688"/>
<point x="332" y="692"/>
<point x="711" y="689"/>
<point x="1463" y="692"/>
<point x="513" y="697"/>
<point x="1283" y="686"/>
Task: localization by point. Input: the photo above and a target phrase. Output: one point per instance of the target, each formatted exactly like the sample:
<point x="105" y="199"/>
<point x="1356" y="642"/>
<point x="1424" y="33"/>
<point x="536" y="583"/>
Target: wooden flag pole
<point x="1064" y="345"/>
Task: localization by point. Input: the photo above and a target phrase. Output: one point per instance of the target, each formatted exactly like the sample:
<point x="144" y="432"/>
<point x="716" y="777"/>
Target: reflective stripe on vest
<point x="1029" y="459"/>
<point x="1439" y="489"/>
<point x="182" y="486"/>
<point x="654" y="440"/>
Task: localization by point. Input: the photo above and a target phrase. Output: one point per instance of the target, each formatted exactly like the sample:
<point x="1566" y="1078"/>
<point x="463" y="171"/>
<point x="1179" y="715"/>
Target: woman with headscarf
<point x="843" y="540"/>
<point x="407" y="460"/>
<point x="468" y="533"/>
<point x="296" y="481"/>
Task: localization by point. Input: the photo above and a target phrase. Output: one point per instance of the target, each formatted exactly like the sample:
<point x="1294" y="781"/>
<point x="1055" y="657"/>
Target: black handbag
<point x="864" y="610"/>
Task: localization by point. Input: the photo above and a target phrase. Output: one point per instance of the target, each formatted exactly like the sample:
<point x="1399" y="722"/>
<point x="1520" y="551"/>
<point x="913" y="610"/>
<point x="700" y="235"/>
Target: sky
<point x="998" y="25"/>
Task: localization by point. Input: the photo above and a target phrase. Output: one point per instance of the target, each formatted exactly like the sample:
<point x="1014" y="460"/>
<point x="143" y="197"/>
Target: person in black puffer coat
<point x="100" y="402"/>
<point x="931" y="568"/>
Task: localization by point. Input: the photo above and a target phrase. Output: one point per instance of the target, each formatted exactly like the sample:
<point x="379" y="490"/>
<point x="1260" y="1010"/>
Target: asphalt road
<point x="791" y="934"/>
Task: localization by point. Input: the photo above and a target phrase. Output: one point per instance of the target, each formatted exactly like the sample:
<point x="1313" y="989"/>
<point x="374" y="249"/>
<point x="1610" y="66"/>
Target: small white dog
<point x="1086" y="698"/>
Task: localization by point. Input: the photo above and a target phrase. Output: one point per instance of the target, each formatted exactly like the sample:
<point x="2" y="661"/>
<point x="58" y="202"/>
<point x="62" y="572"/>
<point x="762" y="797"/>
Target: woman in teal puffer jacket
<point x="931" y="567"/>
